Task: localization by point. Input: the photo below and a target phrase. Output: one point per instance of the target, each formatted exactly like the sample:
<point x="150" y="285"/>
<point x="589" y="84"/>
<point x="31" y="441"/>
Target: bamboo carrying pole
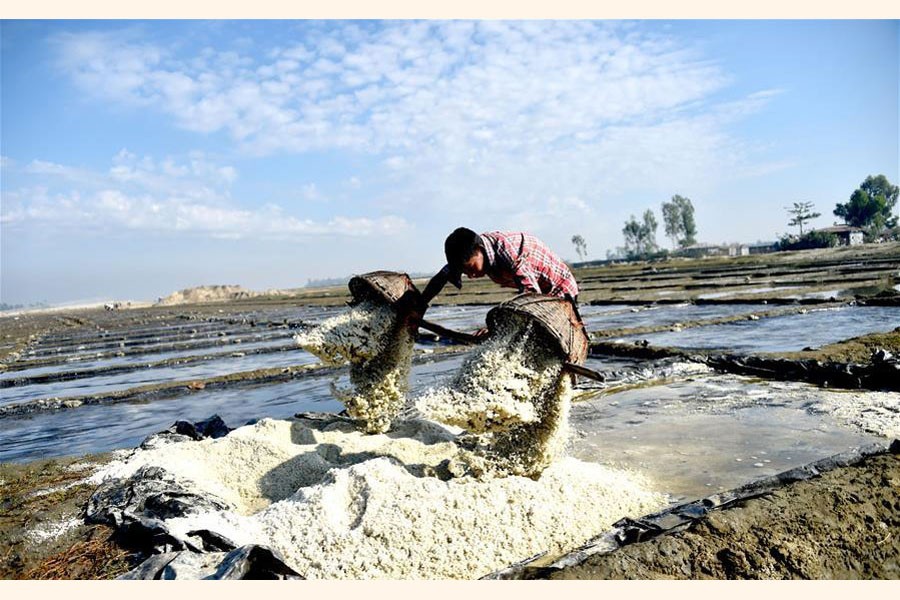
<point x="468" y="338"/>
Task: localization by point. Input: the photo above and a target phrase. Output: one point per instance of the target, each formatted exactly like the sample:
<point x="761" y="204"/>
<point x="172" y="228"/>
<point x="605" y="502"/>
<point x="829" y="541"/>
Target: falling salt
<point x="512" y="397"/>
<point x="379" y="347"/>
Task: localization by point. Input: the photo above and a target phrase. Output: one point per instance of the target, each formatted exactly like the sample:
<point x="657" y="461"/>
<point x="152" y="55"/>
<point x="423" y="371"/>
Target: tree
<point x="640" y="237"/>
<point x="871" y="205"/>
<point x="802" y="212"/>
<point x="678" y="216"/>
<point x="580" y="246"/>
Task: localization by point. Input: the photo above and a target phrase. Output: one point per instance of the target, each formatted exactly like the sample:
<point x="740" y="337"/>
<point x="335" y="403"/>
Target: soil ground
<point x="39" y="497"/>
<point x="844" y="524"/>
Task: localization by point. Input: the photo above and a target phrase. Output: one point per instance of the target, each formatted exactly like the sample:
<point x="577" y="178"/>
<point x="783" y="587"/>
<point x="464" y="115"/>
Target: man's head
<point x="464" y="254"/>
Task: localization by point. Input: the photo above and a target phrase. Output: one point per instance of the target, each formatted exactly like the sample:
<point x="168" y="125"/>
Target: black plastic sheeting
<point x="628" y="531"/>
<point x="882" y="372"/>
<point x="246" y="562"/>
<point x="138" y="507"/>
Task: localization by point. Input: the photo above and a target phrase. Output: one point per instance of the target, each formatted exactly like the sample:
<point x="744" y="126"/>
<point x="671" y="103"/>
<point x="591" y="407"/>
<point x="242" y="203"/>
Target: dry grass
<point x="98" y="557"/>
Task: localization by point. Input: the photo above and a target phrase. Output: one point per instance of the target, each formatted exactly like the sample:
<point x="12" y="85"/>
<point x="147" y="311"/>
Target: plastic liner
<point x="880" y="373"/>
<point x="247" y="562"/>
<point x="628" y="531"/>
<point x="138" y="508"/>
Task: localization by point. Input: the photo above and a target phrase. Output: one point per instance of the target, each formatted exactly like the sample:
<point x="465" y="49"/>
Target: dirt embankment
<point x="842" y="525"/>
<point x="214" y="293"/>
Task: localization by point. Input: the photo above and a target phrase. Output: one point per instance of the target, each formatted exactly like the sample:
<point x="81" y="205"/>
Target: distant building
<point x="701" y="250"/>
<point x="762" y="247"/>
<point x="731" y="250"/>
<point x="738" y="250"/>
<point x="846" y="235"/>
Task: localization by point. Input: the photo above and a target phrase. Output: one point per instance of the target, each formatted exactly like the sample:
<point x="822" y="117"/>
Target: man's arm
<point x="434" y="287"/>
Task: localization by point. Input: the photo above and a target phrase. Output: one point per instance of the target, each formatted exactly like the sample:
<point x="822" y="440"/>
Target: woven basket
<point x="381" y="286"/>
<point x="555" y="315"/>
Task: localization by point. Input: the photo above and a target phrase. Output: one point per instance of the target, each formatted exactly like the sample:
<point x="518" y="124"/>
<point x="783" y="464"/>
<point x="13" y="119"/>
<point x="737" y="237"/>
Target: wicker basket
<point x="556" y="316"/>
<point x="381" y="286"/>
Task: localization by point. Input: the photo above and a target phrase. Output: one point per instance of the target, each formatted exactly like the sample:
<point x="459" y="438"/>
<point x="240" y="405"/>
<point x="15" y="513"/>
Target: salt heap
<point x="337" y="503"/>
<point x="512" y="396"/>
<point x="378" y="346"/>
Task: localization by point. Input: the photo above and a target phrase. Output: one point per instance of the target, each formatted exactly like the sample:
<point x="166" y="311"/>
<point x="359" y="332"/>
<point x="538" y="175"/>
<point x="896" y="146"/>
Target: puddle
<point x="782" y="334"/>
<point x="459" y="318"/>
<point x="711" y="433"/>
<point x="822" y="295"/>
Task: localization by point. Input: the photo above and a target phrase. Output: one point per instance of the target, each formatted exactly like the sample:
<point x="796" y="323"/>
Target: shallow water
<point x="668" y="315"/>
<point x="91" y="362"/>
<point x="153" y="345"/>
<point x="709" y="433"/>
<point x="783" y="334"/>
<point x="99" y="428"/>
<point x="739" y="292"/>
<point x="103" y="384"/>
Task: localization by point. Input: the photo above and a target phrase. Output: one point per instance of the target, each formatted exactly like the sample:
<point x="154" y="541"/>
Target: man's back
<point x="522" y="261"/>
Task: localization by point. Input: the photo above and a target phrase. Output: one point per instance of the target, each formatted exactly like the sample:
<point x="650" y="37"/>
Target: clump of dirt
<point x="844" y="524"/>
<point x="42" y="524"/>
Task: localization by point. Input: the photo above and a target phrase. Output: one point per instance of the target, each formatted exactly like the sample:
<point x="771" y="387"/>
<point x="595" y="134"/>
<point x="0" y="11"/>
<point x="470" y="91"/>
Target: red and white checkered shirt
<point x="523" y="262"/>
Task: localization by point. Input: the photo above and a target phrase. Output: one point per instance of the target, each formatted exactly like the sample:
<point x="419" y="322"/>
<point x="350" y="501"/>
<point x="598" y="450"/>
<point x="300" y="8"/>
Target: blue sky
<point x="140" y="157"/>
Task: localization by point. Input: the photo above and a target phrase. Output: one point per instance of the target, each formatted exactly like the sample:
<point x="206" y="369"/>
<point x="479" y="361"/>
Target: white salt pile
<point x="340" y="504"/>
<point x="378" y="346"/>
<point x="511" y="394"/>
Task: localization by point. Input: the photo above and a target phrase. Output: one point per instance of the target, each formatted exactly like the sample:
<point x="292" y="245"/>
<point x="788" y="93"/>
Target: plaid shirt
<point x="523" y="262"/>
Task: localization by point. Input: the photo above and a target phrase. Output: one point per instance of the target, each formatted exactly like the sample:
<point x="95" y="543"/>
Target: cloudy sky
<point x="143" y="157"/>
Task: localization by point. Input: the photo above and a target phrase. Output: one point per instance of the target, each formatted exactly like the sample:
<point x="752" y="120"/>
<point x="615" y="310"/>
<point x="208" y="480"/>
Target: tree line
<point x="870" y="208"/>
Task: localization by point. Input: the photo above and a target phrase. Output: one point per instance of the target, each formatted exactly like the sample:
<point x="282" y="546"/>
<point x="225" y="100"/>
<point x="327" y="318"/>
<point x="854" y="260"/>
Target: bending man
<point x="513" y="260"/>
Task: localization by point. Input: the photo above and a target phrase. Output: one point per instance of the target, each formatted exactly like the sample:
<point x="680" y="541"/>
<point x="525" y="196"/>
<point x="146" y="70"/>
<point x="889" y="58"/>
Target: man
<point x="514" y="260"/>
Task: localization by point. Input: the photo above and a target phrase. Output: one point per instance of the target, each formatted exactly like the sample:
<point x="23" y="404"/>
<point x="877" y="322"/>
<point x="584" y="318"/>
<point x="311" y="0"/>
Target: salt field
<point x="667" y="430"/>
<point x="774" y="333"/>
<point x="815" y="328"/>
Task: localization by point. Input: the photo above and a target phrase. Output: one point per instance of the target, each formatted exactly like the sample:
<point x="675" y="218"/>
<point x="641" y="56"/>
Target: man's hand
<point x="411" y="310"/>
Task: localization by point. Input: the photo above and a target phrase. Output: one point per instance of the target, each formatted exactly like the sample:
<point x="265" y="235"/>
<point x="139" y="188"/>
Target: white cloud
<point x="144" y="195"/>
<point x="495" y="118"/>
<point x="405" y="85"/>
